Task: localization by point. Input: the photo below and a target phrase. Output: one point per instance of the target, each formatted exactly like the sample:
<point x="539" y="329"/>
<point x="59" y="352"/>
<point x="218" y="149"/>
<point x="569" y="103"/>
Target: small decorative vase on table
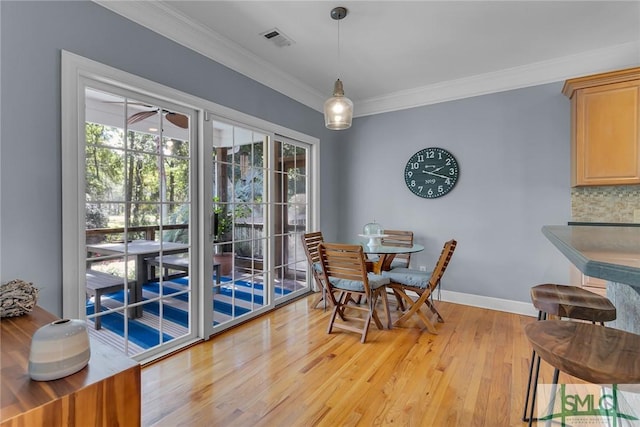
<point x="59" y="349"/>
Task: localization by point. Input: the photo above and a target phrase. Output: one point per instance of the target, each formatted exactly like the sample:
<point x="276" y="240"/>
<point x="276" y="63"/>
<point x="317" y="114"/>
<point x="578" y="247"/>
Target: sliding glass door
<point x="181" y="217"/>
<point x="258" y="211"/>
<point x="138" y="216"/>
<point x="146" y="279"/>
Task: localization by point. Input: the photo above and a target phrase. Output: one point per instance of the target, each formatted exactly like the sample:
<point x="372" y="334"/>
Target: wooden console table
<point x="106" y="392"/>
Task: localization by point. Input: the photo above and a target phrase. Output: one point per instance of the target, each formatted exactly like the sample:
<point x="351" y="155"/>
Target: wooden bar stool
<point x="593" y="353"/>
<point x="564" y="301"/>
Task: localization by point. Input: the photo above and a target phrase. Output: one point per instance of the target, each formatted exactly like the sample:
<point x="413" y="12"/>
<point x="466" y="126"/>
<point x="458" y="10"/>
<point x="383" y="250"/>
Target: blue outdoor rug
<point x="175" y="316"/>
<point x="139" y="333"/>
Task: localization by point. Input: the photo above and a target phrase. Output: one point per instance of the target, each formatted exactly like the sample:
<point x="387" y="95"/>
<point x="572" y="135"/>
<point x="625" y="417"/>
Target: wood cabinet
<point x="106" y="392"/>
<point x="605" y="133"/>
<point x="593" y="284"/>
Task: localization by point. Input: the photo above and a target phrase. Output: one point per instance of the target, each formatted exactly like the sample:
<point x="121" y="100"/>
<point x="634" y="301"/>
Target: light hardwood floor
<point x="283" y="369"/>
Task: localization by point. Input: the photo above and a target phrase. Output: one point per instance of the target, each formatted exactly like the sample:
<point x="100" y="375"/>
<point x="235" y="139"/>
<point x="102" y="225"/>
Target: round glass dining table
<point x="386" y="254"/>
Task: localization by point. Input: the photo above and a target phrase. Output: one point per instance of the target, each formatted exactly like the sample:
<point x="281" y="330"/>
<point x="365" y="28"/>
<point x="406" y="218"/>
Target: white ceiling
<point x="401" y="54"/>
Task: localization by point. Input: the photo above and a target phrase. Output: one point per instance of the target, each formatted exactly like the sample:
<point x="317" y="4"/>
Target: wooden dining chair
<point x="345" y="273"/>
<point x="422" y="283"/>
<point x="310" y="242"/>
<point x="400" y="238"/>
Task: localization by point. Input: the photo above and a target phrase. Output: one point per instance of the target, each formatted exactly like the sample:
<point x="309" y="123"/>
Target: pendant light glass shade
<point x="338" y="110"/>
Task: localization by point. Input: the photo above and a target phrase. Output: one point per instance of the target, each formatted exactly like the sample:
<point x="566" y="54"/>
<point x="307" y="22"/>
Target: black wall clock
<point x="431" y="172"/>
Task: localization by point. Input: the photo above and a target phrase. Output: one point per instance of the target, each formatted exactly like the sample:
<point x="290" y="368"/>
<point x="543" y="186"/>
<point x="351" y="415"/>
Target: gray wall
<point x="32" y="35"/>
<point x="513" y="149"/>
<point x="513" y="153"/>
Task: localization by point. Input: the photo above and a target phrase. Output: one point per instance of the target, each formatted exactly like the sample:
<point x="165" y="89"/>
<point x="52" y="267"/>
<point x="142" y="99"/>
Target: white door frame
<point x="75" y="72"/>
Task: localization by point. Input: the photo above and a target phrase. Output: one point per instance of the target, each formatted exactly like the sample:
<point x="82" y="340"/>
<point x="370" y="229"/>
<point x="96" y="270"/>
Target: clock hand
<point x="436" y="174"/>
<point x="431" y="166"/>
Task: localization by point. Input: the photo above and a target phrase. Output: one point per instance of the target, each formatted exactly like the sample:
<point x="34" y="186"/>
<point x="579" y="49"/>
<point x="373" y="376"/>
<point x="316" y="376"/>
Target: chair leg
<point x="531" y="365"/>
<point x="97" y="308"/>
<point x="403" y="296"/>
<point x="398" y="300"/>
<point x="526" y="401"/>
<point x="371" y="302"/>
<point x="365" y="330"/>
<point x="320" y="298"/>
<point x="323" y="295"/>
<point x="431" y="306"/>
<point x="534" y="391"/>
<point x="385" y="302"/>
<point x="337" y="309"/>
<point x="415" y="309"/>
<point x="427" y="322"/>
<point x="216" y="271"/>
<point x="552" y="401"/>
<point x="554" y="388"/>
<point x="335" y="302"/>
<point x="367" y="322"/>
<point x="328" y="296"/>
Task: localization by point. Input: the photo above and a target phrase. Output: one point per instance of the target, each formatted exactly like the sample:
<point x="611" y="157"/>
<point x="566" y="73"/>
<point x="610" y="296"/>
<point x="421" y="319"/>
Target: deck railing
<point x="146" y="232"/>
<point x="244" y="232"/>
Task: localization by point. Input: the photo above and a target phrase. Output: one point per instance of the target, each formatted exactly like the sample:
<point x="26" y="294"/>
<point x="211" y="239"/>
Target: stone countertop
<point x="609" y="253"/>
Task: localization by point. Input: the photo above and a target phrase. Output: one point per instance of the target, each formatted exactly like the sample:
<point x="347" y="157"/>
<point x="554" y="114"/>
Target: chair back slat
<point x="399" y="238"/>
<point x="443" y="262"/>
<point x="310" y="242"/>
<point x="343" y="261"/>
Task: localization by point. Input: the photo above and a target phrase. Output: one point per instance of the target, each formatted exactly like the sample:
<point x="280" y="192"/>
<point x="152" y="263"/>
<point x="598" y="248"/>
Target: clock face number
<point x="431" y="173"/>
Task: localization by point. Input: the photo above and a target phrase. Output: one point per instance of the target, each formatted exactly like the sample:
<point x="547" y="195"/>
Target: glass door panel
<point x="259" y="211"/>
<point x="138" y="173"/>
<point x="291" y="206"/>
<point x="239" y="190"/>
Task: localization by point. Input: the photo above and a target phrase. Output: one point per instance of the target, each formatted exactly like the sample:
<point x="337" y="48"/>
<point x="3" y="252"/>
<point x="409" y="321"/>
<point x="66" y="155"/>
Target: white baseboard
<point x="516" y="307"/>
<point x="490" y="303"/>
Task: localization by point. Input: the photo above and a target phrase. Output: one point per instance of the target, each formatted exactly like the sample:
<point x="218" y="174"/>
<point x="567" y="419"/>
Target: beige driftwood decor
<point x="17" y="297"/>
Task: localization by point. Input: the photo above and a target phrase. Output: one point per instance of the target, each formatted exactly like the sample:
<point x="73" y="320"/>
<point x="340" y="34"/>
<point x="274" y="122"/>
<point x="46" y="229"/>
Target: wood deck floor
<point x="283" y="369"/>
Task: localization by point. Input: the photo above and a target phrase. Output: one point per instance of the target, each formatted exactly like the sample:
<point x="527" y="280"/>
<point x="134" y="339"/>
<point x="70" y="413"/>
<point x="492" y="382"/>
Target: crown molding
<point x="158" y="17"/>
<point x="161" y="19"/>
<point x="595" y="61"/>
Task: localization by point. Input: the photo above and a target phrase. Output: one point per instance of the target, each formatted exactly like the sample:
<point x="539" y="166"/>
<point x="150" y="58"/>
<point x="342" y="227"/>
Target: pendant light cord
<point x="339" y="56"/>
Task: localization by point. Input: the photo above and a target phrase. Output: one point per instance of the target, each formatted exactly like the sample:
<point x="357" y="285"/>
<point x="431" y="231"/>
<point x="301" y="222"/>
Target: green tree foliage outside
<point x="148" y="180"/>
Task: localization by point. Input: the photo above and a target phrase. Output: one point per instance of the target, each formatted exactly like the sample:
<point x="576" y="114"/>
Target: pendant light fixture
<point x="338" y="110"/>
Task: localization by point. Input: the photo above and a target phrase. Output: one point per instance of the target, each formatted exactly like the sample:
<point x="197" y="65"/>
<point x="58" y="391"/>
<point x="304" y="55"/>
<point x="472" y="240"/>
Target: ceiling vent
<point x="277" y="37"/>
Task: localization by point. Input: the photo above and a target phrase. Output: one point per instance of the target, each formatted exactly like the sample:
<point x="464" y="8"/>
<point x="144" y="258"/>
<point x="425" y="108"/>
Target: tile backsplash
<point x="617" y="203"/>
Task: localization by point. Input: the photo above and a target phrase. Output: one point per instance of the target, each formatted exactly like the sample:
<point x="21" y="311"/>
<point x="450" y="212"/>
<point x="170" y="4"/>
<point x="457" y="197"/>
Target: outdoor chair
<point x="344" y="272"/>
